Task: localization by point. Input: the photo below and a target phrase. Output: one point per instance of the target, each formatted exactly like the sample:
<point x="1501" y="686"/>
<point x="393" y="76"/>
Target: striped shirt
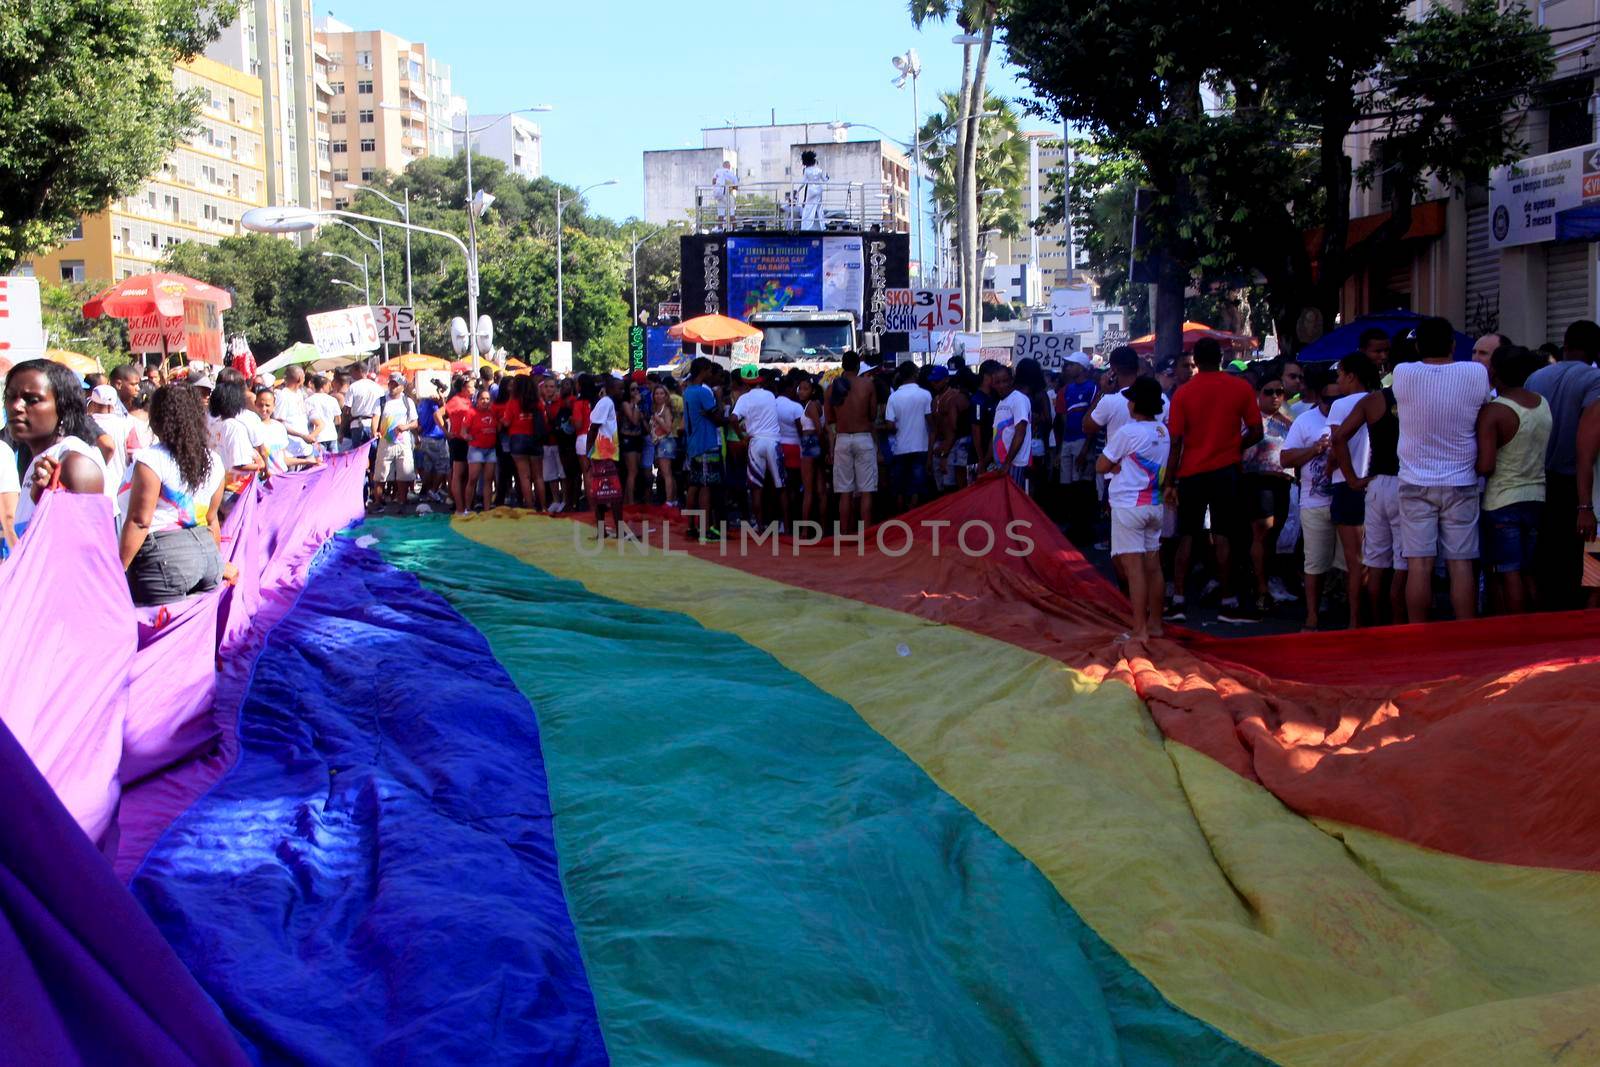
<point x="1438" y="408"/>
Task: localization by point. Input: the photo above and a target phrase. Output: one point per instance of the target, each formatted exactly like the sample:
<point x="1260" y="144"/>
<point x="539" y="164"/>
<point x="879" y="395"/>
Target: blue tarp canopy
<point x="1347" y="338"/>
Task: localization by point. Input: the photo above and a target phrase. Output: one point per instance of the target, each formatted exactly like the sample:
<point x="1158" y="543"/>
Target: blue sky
<point x="631" y="75"/>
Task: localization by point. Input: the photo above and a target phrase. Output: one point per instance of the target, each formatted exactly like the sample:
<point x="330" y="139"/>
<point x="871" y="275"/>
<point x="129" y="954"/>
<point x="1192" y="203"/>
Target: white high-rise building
<point x="513" y="140"/>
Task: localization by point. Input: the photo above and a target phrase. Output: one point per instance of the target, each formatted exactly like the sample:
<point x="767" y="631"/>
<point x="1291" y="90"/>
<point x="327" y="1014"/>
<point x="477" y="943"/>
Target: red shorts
<point x="791" y="456"/>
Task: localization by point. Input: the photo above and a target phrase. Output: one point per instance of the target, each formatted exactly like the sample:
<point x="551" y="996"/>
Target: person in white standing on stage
<point x="725" y="187"/>
<point x="813" y="178"/>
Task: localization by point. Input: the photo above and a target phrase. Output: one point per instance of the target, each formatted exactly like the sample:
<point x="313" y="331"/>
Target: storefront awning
<point x="1427" y="220"/>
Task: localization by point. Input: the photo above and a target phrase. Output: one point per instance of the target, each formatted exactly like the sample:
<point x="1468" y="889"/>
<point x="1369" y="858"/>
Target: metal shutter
<point x="1483" y="275"/>
<point x="1568" y="295"/>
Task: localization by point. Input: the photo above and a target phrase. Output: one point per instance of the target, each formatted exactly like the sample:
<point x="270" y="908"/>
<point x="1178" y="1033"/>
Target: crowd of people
<point x="1242" y="485"/>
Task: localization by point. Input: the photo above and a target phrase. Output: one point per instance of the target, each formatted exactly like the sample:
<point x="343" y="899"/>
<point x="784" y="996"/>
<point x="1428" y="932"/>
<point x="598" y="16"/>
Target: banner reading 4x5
<point x="923" y="310"/>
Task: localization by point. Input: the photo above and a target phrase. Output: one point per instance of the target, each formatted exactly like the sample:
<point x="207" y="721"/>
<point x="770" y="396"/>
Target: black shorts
<point x="1349" y="506"/>
<point x="1216" y="491"/>
<point x="1266" y="496"/>
<point x="458" y="449"/>
<point x="520" y="444"/>
<point x="632" y="442"/>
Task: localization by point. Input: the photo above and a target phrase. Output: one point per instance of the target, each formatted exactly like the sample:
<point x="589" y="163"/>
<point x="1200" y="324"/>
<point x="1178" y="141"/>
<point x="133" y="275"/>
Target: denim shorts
<point x="1511" y="536"/>
<point x="667" y="448"/>
<point x="520" y="444"/>
<point x="172" y="565"/>
<point x="480" y="455"/>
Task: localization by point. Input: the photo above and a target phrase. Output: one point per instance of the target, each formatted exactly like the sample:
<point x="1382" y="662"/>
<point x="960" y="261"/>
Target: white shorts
<point x="1382" y="547"/>
<point x="855" y="463"/>
<point x="553" y="471"/>
<point x="765" y="462"/>
<point x="394" y="464"/>
<point x="1323" y="550"/>
<point x="1136" y="530"/>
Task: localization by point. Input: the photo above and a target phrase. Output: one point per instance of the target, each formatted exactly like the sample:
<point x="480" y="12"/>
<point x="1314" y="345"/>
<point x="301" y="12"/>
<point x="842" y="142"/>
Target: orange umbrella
<point x="711" y="330"/>
<point x="77" y="362"/>
<point x="154" y="294"/>
<point x="411" y="363"/>
<point x="1194" y="331"/>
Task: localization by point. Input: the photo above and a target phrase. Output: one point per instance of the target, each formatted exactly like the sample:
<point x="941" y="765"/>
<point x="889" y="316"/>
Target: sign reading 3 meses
<point x="1526" y="198"/>
<point x="923" y="310"/>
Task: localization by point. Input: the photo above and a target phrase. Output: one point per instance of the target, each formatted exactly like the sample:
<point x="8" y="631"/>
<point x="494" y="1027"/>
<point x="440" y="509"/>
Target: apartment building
<point x="512" y="139"/>
<point x="199" y="194"/>
<point x="381" y="97"/>
<point x="1046" y="254"/>
<point x="273" y="41"/>
<point x="1451" y="263"/>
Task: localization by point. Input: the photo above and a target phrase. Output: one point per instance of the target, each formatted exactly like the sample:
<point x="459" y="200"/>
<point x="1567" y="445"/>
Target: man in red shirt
<point x="1213" y="418"/>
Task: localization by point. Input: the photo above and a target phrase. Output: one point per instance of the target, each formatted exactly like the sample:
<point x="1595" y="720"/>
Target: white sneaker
<point x="556" y="508"/>
<point x="1229" y="603"/>
<point x="1279" y="592"/>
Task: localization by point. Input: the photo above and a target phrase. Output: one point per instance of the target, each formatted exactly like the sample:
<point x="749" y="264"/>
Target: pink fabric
<point x="116" y="702"/>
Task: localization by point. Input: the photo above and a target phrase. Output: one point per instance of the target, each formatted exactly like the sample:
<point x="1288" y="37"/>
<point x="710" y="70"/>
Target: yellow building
<point x="202" y="189"/>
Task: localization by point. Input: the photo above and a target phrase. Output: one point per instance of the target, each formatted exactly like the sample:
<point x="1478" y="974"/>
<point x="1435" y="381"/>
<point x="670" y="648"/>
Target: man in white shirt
<point x="909" y="413"/>
<point x="756" y="412"/>
<point x="363" y="399"/>
<point x="1013" y="432"/>
<point x="1308" y="450"/>
<point x="322" y="409"/>
<point x="395" y="430"/>
<point x="291" y="411"/>
<point x="1438" y="400"/>
<point x="789" y="413"/>
<point x="725" y="187"/>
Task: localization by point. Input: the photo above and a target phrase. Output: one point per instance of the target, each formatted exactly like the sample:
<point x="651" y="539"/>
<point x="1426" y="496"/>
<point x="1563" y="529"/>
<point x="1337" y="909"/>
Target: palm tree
<point x="1002" y="163"/>
<point x="977" y="18"/>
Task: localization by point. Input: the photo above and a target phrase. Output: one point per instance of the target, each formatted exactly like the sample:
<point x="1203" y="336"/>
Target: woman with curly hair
<point x="171" y="541"/>
<point x="48" y="424"/>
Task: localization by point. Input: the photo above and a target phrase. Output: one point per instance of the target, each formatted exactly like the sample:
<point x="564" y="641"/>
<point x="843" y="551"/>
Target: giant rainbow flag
<point x="477" y="792"/>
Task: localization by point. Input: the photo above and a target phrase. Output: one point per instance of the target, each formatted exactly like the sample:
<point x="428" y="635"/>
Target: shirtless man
<point x="855" y="449"/>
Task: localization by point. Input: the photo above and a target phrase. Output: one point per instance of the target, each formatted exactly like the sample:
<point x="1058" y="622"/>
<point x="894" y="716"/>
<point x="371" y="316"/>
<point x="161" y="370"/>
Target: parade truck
<point x="814" y="294"/>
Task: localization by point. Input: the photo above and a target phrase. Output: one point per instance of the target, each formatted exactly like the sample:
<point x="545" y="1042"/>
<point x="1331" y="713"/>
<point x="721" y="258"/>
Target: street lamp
<point x="366" y="275"/>
<point x="910" y="66"/>
<point x="561" y="206"/>
<point x="633" y="255"/>
<point x="475" y="208"/>
<point x="376" y="243"/>
<point x="347" y="285"/>
<point x="404" y="207"/>
<point x="301" y="219"/>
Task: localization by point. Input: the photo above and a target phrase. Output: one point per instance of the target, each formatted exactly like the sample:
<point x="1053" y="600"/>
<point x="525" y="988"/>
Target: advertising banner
<point x="659" y="348"/>
<point x="346" y="332"/>
<point x="397" y="323"/>
<point x="1526" y="198"/>
<point x="773" y="273"/>
<point x="202" y="331"/>
<point x="704" y="273"/>
<point x="843" y="274"/>
<point x="154" y="334"/>
<point x="1072" y="309"/>
<point x="637" y="352"/>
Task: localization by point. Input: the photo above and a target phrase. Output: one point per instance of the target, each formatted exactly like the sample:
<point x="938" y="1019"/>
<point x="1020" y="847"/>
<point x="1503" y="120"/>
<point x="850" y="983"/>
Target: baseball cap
<point x="1081" y="360"/>
<point x="750" y="371"/>
<point x="938" y="374"/>
<point x="103" y="394"/>
<point x="397" y="378"/>
<point x="203" y="381"/>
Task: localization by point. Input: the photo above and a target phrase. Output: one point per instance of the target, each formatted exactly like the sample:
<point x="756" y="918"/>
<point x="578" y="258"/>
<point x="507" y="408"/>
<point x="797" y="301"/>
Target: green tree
<point x="105" y="338"/>
<point x="1241" y="127"/>
<point x="87" y="109"/>
<point x="274" y="282"/>
<point x="1002" y="163"/>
